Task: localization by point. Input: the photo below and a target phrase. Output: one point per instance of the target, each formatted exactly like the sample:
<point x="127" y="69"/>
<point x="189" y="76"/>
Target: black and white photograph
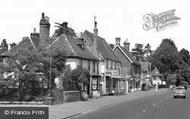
<point x="94" y="59"/>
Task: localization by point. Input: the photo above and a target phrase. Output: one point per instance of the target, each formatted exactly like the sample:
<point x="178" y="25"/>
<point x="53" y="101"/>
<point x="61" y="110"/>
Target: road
<point x="162" y="106"/>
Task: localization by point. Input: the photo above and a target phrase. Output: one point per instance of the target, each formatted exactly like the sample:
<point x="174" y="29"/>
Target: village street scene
<point x="82" y="75"/>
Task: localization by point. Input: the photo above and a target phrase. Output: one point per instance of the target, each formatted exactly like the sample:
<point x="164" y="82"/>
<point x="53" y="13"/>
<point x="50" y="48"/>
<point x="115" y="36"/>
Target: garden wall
<point x="61" y="97"/>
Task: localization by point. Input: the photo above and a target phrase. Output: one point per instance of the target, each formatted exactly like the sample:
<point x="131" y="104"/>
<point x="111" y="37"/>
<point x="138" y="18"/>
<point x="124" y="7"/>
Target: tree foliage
<point x="171" y="63"/>
<point x="184" y="54"/>
<point x="80" y="75"/>
<point x="28" y="62"/>
<point x="166" y="57"/>
<point x="141" y="52"/>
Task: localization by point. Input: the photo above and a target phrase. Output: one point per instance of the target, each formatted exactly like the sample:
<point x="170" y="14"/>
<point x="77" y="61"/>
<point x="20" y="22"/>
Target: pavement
<point x="68" y="110"/>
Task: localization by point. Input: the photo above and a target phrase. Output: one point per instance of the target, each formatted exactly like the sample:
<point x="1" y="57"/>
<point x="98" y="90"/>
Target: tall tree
<point x="166" y="57"/>
<point x="138" y="51"/>
<point x="185" y="55"/>
<point x="147" y="51"/>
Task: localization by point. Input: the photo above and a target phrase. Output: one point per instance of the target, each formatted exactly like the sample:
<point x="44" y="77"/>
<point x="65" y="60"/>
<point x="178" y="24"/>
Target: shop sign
<point x="115" y="72"/>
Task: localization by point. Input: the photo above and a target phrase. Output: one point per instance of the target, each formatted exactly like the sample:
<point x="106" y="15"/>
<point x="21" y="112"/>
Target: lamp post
<point x="49" y="99"/>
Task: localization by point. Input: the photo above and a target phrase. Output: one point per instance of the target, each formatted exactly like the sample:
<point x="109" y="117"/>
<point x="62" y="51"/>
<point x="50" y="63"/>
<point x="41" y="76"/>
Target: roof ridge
<point x="125" y="53"/>
<point x="54" y="41"/>
<point x="32" y="43"/>
<point x="104" y="50"/>
<point x="69" y="44"/>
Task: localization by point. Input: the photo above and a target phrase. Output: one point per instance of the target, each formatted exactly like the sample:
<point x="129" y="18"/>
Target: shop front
<point x="115" y="83"/>
<point x="95" y="86"/>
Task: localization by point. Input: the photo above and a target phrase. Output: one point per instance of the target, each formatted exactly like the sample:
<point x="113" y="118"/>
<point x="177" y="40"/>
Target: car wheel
<point x="184" y="97"/>
<point x="174" y="96"/>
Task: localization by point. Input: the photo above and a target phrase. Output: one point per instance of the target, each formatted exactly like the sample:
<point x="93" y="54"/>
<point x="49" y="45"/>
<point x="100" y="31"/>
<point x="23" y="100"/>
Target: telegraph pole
<point x="50" y="69"/>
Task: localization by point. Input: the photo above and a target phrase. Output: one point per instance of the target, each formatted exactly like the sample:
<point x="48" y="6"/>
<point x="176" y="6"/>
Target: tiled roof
<point x="102" y="46"/>
<point x="130" y="55"/>
<point x="64" y="43"/>
<point x="71" y="46"/>
<point x="22" y="46"/>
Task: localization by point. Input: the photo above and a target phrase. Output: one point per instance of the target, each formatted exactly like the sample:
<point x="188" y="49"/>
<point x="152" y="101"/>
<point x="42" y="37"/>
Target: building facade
<point x="109" y="65"/>
<point x="130" y="68"/>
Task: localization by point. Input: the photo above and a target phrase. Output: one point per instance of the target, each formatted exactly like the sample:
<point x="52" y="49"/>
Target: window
<point x="111" y="64"/>
<point x="94" y="84"/>
<point x="97" y="68"/>
<point x="80" y="62"/>
<point x="106" y="64"/>
<point x="89" y="65"/>
<point x="115" y="65"/>
<point x="118" y="65"/>
<point x="94" y="66"/>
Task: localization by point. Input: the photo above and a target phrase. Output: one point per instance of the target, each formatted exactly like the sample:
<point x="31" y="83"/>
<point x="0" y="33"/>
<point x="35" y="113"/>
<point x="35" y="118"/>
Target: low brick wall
<point x="57" y="96"/>
<point x="60" y="97"/>
<point x="71" y="96"/>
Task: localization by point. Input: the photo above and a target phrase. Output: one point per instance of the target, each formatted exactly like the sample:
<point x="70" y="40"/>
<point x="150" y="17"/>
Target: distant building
<point x="130" y="68"/>
<point x="146" y="76"/>
<point x="109" y="65"/>
<point x="157" y="77"/>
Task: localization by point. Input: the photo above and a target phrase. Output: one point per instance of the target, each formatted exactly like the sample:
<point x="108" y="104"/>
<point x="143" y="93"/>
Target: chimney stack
<point x="64" y="27"/>
<point x="117" y="41"/>
<point x="44" y="29"/>
<point x="95" y="27"/>
<point x="34" y="34"/>
<point x="126" y="45"/>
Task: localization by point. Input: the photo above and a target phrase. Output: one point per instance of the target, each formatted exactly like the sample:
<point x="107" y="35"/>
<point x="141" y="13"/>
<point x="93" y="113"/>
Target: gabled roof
<point x="156" y="72"/>
<point x="68" y="44"/>
<point x="102" y="46"/>
<point x="23" y="45"/>
<point x="71" y="46"/>
<point x="127" y="54"/>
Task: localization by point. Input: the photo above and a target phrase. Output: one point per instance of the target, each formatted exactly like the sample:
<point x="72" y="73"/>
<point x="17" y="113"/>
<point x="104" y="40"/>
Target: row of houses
<point x="113" y="70"/>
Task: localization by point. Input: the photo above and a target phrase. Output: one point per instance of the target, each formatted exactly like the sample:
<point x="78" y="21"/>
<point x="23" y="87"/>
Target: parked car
<point x="179" y="91"/>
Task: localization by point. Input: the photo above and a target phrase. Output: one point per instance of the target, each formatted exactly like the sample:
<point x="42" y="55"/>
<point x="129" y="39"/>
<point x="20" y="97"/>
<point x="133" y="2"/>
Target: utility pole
<point x="50" y="69"/>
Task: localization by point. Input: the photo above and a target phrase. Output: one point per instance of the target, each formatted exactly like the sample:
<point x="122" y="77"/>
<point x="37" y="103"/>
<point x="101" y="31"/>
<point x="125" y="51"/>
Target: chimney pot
<point x="43" y="15"/>
<point x="65" y="24"/>
<point x="34" y="30"/>
<point x="126" y="45"/>
<point x="117" y="41"/>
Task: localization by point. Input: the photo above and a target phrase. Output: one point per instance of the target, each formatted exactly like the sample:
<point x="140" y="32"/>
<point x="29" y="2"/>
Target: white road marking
<point x="90" y="111"/>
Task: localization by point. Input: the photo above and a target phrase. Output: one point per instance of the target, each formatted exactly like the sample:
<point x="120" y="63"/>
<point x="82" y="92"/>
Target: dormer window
<point x="81" y="43"/>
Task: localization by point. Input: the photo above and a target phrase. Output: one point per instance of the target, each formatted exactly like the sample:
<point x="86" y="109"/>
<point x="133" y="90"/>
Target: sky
<point x="115" y="18"/>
